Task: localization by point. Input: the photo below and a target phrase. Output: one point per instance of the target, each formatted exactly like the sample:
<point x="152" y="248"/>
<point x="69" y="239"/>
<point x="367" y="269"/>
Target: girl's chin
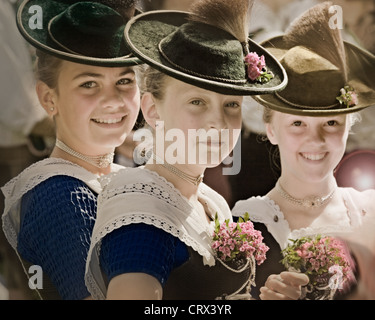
<point x="315" y="177"/>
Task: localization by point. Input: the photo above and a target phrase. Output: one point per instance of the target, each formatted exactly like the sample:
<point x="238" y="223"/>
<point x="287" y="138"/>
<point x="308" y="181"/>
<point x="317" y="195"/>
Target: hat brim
<point x="360" y="63"/>
<point x="144" y="32"/>
<point x="38" y="37"/>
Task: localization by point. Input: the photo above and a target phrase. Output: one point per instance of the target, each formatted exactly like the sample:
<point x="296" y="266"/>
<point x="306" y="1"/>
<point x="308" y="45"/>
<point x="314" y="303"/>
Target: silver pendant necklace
<point x="102" y="161"/>
<point x="187" y="177"/>
<point x="310" y="202"/>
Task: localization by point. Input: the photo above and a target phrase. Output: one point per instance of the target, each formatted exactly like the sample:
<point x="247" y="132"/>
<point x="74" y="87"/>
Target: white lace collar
<point x="264" y="210"/>
<point x="139" y="195"/>
<point x="30" y="178"/>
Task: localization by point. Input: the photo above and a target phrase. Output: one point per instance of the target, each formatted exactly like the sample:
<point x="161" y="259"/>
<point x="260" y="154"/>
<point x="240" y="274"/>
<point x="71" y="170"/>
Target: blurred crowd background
<point x="27" y="134"/>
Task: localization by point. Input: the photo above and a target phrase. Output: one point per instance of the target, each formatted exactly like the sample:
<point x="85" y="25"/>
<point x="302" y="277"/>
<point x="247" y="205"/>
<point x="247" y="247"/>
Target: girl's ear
<point x="149" y="111"/>
<point x="46" y="97"/>
<point x="271" y="134"/>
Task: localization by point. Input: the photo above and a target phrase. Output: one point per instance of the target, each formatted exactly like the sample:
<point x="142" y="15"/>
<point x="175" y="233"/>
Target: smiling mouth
<point x="108" y="121"/>
<point x="313" y="156"/>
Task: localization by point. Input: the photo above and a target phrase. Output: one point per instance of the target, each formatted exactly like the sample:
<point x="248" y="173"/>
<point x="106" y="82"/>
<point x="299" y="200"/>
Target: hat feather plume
<point x="232" y="16"/>
<point x="312" y="30"/>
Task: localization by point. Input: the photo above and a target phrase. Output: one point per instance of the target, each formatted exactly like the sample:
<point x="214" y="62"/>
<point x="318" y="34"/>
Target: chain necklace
<point x="98" y="161"/>
<point x="194" y="180"/>
<point x="311" y="202"/>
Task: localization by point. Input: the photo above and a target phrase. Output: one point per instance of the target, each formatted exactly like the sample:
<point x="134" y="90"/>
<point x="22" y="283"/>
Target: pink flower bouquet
<point x="239" y="247"/>
<point x="240" y="240"/>
<point x="325" y="260"/>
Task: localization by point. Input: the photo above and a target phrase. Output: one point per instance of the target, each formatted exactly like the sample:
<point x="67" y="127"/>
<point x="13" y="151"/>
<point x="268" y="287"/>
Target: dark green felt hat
<point x="86" y="32"/>
<point x="199" y="54"/>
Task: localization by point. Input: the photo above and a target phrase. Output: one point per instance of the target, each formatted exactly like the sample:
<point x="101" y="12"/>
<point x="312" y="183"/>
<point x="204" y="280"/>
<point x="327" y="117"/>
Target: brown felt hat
<point x="199" y="53"/>
<point x="86" y="32"/>
<point x="320" y="65"/>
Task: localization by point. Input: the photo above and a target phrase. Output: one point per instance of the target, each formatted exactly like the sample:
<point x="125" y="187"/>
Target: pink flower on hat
<point x="348" y="97"/>
<point x="254" y="65"/>
<point x="256" y="68"/>
<point x="354" y="100"/>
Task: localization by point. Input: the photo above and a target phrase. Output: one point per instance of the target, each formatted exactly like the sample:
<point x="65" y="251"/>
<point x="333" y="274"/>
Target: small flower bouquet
<point x="256" y="68"/>
<point x="348" y="97"/>
<point x="238" y="246"/>
<point x="325" y="260"/>
<point x="238" y="241"/>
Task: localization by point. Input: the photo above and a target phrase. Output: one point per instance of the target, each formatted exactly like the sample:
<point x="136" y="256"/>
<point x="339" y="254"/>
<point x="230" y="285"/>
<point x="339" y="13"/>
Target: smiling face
<point x="310" y="147"/>
<point x="205" y="119"/>
<point x="95" y="108"/>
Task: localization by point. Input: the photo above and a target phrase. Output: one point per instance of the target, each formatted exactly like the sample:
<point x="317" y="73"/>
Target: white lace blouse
<point x="139" y="195"/>
<point x="264" y="210"/>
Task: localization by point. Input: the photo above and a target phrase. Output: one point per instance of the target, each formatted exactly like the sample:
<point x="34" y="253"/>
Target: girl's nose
<point x="217" y="119"/>
<point x="316" y="135"/>
<point x="112" y="98"/>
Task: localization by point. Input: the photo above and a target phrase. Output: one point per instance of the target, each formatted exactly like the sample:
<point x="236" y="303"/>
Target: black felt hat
<point x="87" y="32"/>
<point x="202" y="52"/>
<point x="327" y="76"/>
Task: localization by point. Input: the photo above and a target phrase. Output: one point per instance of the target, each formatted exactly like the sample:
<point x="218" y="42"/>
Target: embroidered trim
<point x="154" y="221"/>
<point x="149" y="183"/>
<point x="165" y="192"/>
<point x="280" y="230"/>
<point x="92" y="282"/>
<point x="28" y="179"/>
